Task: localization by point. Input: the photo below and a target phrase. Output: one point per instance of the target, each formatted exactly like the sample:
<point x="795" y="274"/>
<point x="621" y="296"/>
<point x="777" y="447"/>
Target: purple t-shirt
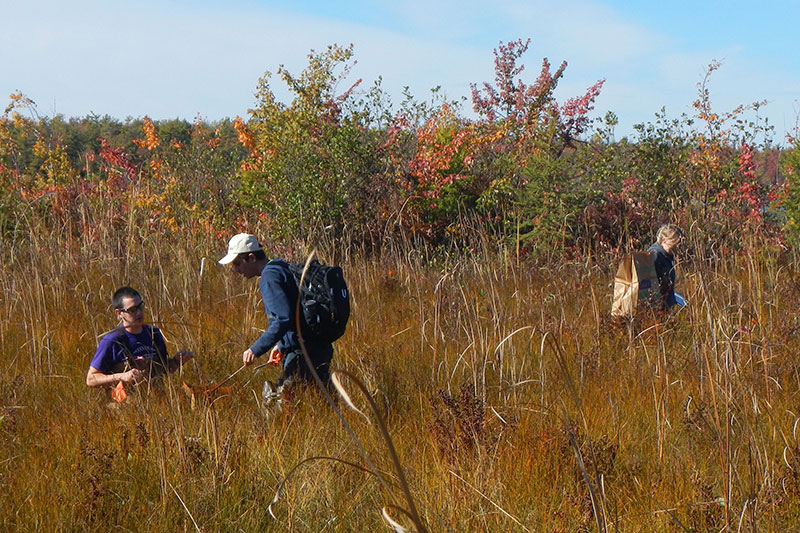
<point x="147" y="347"/>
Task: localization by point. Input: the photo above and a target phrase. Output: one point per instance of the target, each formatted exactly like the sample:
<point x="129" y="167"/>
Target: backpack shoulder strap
<point x="122" y="340"/>
<point x="312" y="274"/>
<point x="297" y="271"/>
<point x="155" y="335"/>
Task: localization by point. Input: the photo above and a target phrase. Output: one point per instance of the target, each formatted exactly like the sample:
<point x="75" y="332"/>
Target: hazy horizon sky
<point x="180" y="59"/>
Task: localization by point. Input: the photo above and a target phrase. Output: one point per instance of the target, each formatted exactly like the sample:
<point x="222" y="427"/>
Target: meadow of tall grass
<point x="512" y="400"/>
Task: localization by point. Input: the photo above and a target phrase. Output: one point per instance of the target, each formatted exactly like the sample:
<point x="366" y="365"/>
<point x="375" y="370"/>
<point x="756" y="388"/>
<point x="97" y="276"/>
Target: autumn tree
<point x="312" y="160"/>
<point x="521" y="143"/>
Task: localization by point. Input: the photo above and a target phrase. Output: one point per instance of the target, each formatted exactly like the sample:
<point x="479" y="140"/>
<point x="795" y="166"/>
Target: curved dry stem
<point x="592" y="493"/>
<point x="392" y="452"/>
<point x="562" y="363"/>
<point x="184" y="506"/>
<point x="324" y="389"/>
<point x="346" y="397"/>
<point x="308" y="460"/>
<point x="391" y="521"/>
<point x="597" y="502"/>
<point x="523" y="328"/>
<point x="484" y="496"/>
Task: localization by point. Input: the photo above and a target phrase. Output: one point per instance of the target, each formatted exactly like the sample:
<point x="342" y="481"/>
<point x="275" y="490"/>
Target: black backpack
<point x="324" y="300"/>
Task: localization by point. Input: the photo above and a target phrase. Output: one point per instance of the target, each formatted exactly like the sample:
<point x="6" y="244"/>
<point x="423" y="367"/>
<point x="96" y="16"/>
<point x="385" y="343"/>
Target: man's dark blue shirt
<point x="280" y="294"/>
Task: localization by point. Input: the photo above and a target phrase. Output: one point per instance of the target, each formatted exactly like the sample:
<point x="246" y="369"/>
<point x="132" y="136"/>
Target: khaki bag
<point x="636" y="282"/>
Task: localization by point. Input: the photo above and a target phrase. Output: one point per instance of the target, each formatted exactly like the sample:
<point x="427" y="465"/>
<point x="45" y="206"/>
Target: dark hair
<point x="258" y="254"/>
<point x="121" y="294"/>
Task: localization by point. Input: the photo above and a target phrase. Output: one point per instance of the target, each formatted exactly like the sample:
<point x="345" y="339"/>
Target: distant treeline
<point x="82" y="137"/>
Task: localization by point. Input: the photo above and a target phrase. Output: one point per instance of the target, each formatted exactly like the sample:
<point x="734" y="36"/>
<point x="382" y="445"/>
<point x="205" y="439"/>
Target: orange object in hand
<point x="118" y="394"/>
<point x="274" y="356"/>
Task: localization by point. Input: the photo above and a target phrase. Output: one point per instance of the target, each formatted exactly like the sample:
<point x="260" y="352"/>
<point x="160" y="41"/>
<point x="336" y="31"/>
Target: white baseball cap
<point x="240" y="243"/>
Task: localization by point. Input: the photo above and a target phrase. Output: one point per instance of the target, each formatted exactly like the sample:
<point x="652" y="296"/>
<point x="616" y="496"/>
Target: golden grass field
<point x="513" y="401"/>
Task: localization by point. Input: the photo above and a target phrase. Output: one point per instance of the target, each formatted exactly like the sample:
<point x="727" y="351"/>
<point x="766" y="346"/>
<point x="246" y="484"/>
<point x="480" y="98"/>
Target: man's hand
<point x="248" y="357"/>
<point x="134" y="375"/>
<point x="274" y="356"/>
<point x="183" y="356"/>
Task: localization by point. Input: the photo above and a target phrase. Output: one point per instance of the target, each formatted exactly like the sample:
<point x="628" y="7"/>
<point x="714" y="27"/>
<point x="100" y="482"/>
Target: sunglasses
<point x="134" y="308"/>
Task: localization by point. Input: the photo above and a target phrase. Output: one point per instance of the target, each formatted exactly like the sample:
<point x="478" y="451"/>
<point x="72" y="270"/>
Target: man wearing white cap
<point x="279" y="293"/>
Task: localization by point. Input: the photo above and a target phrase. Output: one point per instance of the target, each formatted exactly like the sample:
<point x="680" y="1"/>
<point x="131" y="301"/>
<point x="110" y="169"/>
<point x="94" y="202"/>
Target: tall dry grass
<point x="512" y="400"/>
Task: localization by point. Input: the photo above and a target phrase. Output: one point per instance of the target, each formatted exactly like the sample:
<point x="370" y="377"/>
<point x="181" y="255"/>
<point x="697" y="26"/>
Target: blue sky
<point x="180" y="58"/>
